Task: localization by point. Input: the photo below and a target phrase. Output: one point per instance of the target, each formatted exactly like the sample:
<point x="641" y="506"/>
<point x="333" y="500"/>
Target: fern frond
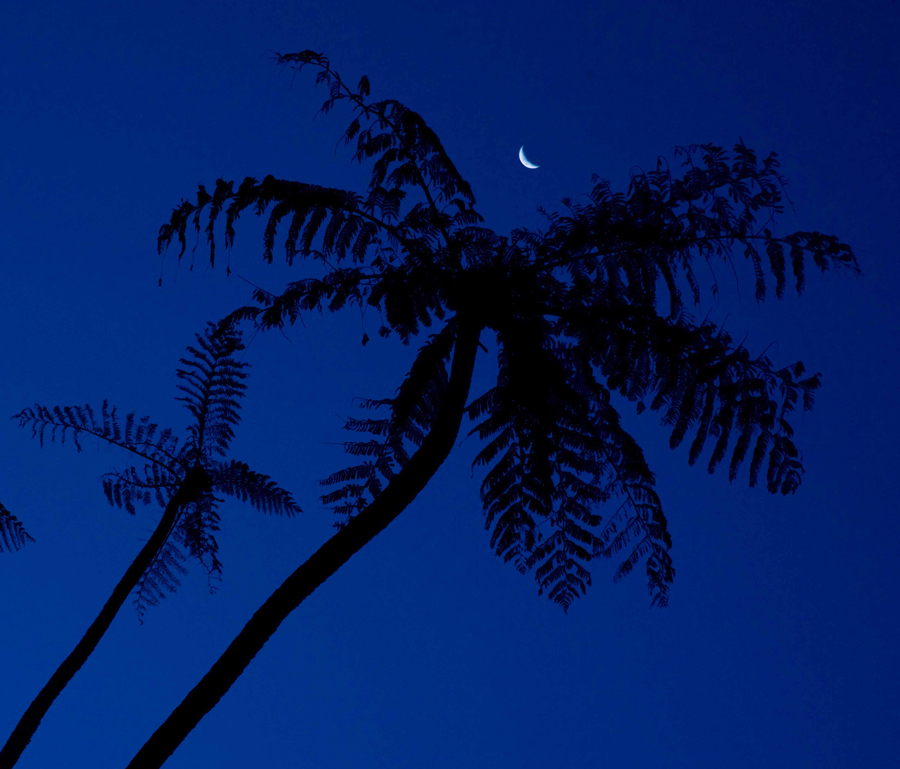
<point x="236" y="479"/>
<point x="555" y="451"/>
<point x="80" y="421"/>
<point x="211" y="381"/>
<point x="161" y="578"/>
<point x="124" y="489"/>
<point x="413" y="410"/>
<point x="697" y="379"/>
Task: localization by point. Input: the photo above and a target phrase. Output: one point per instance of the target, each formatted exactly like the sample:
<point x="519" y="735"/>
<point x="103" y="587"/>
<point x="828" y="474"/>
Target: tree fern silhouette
<point x="182" y="479"/>
<point x="592" y="304"/>
<point x="12" y="533"/>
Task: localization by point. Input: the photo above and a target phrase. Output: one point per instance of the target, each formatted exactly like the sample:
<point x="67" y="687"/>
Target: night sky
<point x="778" y="648"/>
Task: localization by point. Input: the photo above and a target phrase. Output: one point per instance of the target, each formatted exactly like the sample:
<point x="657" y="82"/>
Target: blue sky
<point x="425" y="650"/>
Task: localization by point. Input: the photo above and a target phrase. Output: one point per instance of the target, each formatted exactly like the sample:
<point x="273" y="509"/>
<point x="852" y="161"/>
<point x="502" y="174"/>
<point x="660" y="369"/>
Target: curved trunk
<point x="322" y="564"/>
<point x="31" y="719"/>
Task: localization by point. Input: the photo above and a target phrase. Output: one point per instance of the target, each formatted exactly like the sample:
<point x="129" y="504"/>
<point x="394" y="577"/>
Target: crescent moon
<point x="525" y="161"/>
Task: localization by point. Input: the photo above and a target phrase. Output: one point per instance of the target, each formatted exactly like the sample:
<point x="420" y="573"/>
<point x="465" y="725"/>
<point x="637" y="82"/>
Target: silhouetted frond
<point x="161" y="578"/>
<point x="12" y="533"/>
<point x="401" y="249"/>
<point x="412" y="412"/>
<point x="138" y="436"/>
<point x="212" y="385"/>
<point x="237" y="480"/>
<point x="155" y="483"/>
<point x="196" y="532"/>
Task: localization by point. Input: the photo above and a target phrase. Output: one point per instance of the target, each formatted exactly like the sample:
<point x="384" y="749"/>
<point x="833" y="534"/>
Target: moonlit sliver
<point x="525" y="161"/>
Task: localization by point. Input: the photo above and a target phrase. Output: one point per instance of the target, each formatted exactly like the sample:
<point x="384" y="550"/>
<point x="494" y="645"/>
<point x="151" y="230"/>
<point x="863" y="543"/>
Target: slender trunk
<point x="31" y="719"/>
<point x="322" y="564"/>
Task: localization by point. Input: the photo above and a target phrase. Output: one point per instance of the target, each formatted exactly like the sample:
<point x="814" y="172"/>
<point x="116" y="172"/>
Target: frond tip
<point x="12" y="533"/>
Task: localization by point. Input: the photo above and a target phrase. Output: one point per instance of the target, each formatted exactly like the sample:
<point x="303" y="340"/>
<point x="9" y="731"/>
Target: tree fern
<point x="181" y="478"/>
<point x="593" y="303"/>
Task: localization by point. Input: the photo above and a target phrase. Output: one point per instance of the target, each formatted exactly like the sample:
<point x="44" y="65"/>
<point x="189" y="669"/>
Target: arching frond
<point x="406" y="150"/>
<point x="395" y="252"/>
<point x="625" y="245"/>
<point x="139" y="436"/>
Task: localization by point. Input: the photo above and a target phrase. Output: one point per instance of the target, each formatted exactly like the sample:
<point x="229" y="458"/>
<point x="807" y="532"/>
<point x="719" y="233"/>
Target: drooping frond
<point x="698" y="380"/>
<point x="12" y="533"/>
<point x="237" y="480"/>
<point x="196" y="533"/>
<point x="161" y="578"/>
<point x="556" y="454"/>
<point x="412" y="412"/>
<point x="211" y="381"/>
<point x="351" y="221"/>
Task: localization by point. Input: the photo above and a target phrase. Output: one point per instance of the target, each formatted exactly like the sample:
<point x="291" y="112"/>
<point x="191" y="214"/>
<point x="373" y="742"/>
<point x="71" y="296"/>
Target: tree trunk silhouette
<point x="400" y="492"/>
<point x="193" y="484"/>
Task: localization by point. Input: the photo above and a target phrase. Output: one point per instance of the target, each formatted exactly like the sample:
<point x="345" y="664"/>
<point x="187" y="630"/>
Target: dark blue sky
<point x="779" y="646"/>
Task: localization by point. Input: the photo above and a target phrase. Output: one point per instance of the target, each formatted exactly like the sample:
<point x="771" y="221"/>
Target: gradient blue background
<point x="779" y="647"/>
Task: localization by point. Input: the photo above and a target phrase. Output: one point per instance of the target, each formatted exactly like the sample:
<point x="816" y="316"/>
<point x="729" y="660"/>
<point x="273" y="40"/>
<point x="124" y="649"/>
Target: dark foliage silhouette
<point x="593" y="304"/>
<point x="182" y="479"/>
<point x="12" y="533"/>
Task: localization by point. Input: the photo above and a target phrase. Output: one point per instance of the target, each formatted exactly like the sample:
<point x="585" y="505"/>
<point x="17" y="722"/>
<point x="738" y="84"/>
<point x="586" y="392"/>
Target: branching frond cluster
<point x="210" y="381"/>
<point x="593" y="304"/>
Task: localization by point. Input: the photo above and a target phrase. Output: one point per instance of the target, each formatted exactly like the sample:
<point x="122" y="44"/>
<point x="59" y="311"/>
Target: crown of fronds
<point x="210" y="381"/>
<point x="12" y="533"/>
<point x="385" y="248"/>
<point x="594" y="303"/>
